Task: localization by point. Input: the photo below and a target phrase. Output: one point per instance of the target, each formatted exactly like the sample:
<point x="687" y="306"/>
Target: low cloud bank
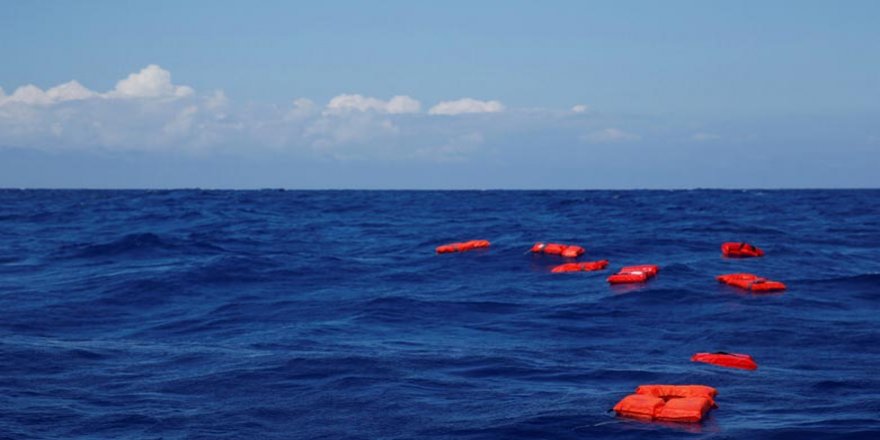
<point x="148" y="111"/>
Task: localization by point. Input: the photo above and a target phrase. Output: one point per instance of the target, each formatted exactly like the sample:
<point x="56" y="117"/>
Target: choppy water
<point x="287" y="314"/>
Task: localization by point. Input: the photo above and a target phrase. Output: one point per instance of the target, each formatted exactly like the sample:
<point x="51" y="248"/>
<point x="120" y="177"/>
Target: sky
<point x="440" y="95"/>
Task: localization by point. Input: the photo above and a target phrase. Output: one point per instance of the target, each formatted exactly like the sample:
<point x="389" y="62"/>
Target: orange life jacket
<point x="462" y="247"/>
<point x="740" y="250"/>
<point x="668" y="403"/>
<point x="634" y="274"/>
<point x="751" y="282"/>
<point x="566" y="250"/>
<point x="730" y="360"/>
<point x="586" y="266"/>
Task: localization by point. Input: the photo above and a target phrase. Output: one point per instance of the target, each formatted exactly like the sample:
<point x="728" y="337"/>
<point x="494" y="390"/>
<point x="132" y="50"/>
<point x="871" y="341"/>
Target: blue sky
<point x="626" y="94"/>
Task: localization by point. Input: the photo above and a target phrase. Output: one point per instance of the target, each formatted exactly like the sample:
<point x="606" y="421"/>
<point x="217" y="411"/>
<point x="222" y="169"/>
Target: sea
<point x="278" y="314"/>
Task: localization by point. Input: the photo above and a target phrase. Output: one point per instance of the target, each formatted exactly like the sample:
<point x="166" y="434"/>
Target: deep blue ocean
<point x="327" y="314"/>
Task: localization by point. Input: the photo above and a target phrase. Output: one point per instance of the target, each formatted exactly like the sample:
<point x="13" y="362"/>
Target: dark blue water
<point x="327" y="315"/>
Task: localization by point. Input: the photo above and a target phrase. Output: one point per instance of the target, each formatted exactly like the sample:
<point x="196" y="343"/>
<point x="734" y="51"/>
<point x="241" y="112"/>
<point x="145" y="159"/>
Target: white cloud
<point x="610" y="135"/>
<point x="466" y="105"/>
<point x="403" y="104"/>
<point x="151" y="82"/>
<point x="456" y="149"/>
<point x="396" y="105"/>
<point x="356" y="128"/>
<point x="217" y="101"/>
<point x="303" y="103"/>
<point x="127" y="117"/>
<point x="580" y="108"/>
<point x="29" y="94"/>
<point x="182" y="122"/>
<point x="146" y="111"/>
<point x="33" y="95"/>
<point x="302" y="108"/>
<point x="704" y="137"/>
<point x="69" y="91"/>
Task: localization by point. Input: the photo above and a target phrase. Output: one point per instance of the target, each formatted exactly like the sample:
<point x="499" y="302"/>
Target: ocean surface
<point x="327" y="315"/>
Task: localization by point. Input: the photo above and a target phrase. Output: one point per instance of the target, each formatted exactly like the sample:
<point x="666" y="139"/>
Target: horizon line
<point x="438" y="189"/>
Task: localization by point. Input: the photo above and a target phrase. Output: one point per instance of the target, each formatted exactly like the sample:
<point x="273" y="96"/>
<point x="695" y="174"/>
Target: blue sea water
<point x="327" y="314"/>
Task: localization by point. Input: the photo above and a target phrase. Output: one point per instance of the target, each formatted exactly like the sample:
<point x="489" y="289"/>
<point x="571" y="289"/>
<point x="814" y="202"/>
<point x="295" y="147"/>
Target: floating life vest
<point x="586" y="266"/>
<point x="751" y="282"/>
<point x="566" y="250"/>
<point x="462" y="247"/>
<point x="740" y="250"/>
<point x="668" y="403"/>
<point x="722" y="359"/>
<point x="634" y="274"/>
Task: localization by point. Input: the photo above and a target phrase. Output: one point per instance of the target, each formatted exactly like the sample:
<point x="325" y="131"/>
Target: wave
<point x="145" y="244"/>
<point x="140" y="243"/>
<point x="403" y="309"/>
<point x="861" y="280"/>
